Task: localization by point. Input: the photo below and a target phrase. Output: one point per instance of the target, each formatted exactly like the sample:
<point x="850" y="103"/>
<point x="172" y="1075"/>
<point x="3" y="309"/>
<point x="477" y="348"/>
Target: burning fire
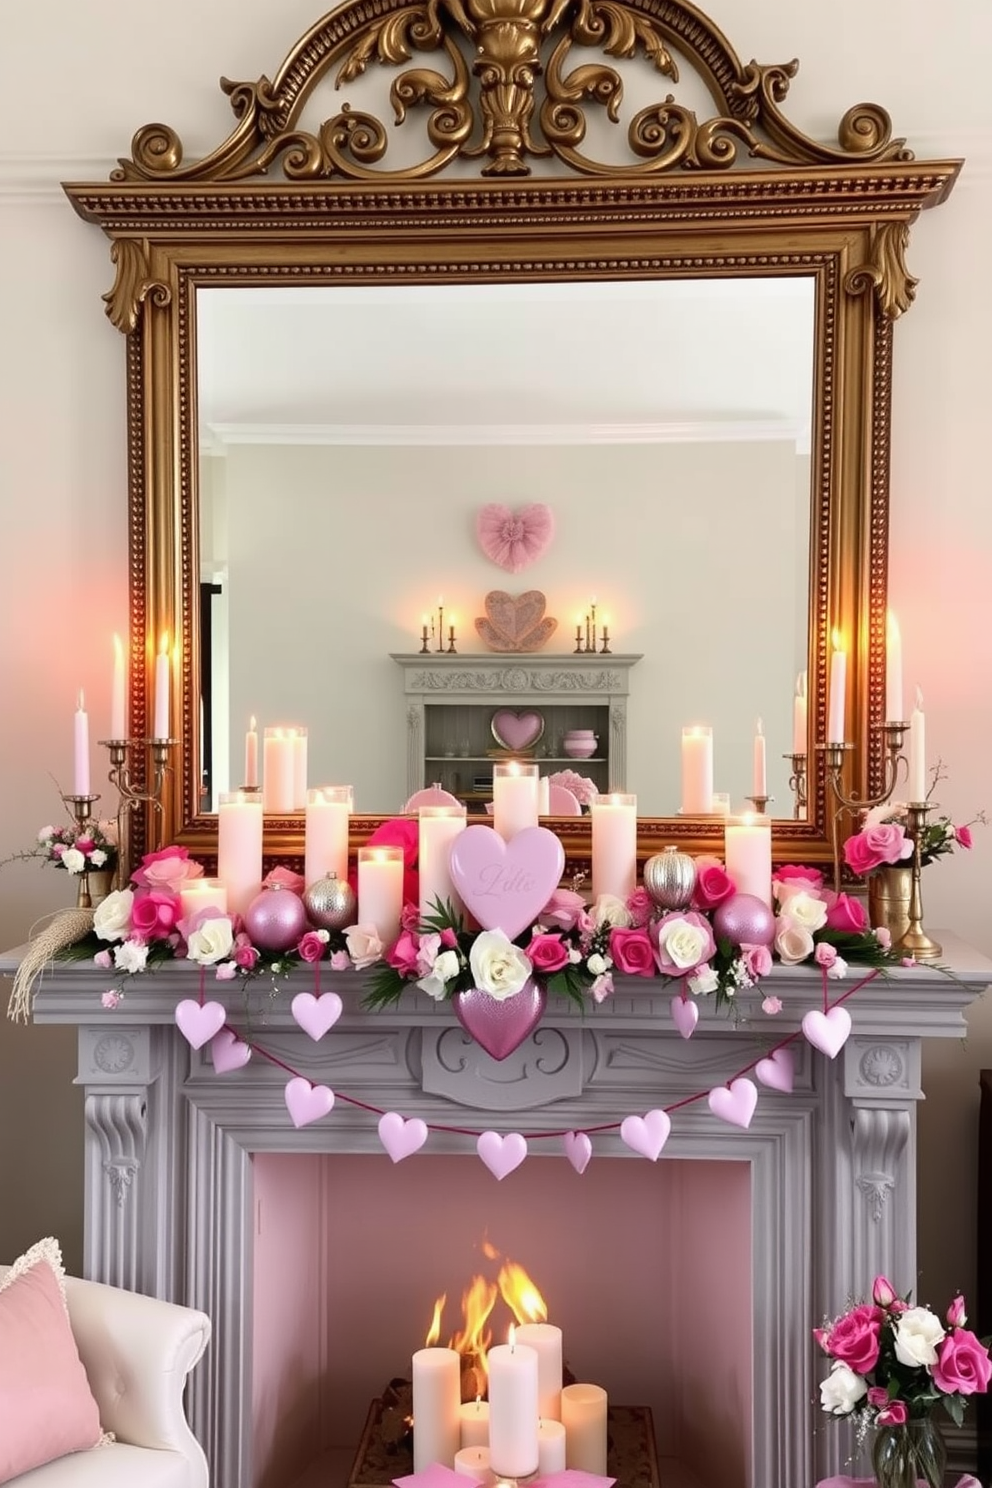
<point x="473" y="1339"/>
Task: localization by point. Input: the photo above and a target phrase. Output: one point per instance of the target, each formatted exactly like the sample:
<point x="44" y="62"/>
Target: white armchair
<point x="137" y="1353"/>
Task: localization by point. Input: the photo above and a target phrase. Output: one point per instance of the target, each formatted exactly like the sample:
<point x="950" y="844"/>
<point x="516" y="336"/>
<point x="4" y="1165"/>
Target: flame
<point x="520" y="1294"/>
<point x="837" y="640"/>
<point x="473" y="1339"/>
<point x="434" y="1331"/>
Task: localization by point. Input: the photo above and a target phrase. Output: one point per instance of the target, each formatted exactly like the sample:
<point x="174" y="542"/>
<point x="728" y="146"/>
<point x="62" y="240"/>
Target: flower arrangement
<point x="583" y="788"/>
<point x="76" y="850"/>
<point x="883" y="840"/>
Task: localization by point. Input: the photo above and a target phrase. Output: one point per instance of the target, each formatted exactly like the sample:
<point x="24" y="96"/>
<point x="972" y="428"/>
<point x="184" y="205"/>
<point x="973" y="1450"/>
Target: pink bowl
<point x="579" y="748"/>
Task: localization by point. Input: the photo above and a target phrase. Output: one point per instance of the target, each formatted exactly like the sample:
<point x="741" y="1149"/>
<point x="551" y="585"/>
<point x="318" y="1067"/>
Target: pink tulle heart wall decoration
<point x="515" y="539"/>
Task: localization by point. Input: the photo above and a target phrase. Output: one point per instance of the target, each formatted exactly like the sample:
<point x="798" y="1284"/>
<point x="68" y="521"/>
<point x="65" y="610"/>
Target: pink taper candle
<point x="118" y="710"/>
<point x="838" y="692"/>
<point x="759" y="783"/>
<point x="81" y="749"/>
<point x="163" y="687"/>
<point x="800" y="726"/>
<point x="251" y="755"/>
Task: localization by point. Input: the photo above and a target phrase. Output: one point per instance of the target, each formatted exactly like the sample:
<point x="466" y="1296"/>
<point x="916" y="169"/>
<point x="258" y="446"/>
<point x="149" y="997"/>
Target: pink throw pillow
<point x="46" y="1405"/>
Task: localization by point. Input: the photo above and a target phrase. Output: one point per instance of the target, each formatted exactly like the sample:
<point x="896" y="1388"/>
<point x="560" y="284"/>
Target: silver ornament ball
<point x="330" y="903"/>
<point x="670" y="878"/>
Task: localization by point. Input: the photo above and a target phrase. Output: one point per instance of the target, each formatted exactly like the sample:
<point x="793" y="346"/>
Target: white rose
<point x="684" y="942"/>
<point x="446" y="965"/>
<point x="918" y="1333"/>
<point x="498" y="966"/>
<point x="364" y="945"/>
<point x="597" y="964"/>
<point x="804" y="908"/>
<point x="704" y="981"/>
<point x="72" y="860"/>
<point x="608" y="909"/>
<point x="841" y="1390"/>
<point x="837" y="969"/>
<point x="98" y="857"/>
<point x="211" y="941"/>
<point x="793" y="942"/>
<point x="131" y="956"/>
<point x="112" y="917"/>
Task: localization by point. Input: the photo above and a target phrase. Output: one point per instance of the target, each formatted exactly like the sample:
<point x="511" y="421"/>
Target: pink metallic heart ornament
<point x="735" y="1103"/>
<point x="501" y="1154"/>
<point x="198" y="1022"/>
<point x="828" y="1032"/>
<point x="505" y="885"/>
<point x="685" y="1015"/>
<point x="777" y="1071"/>
<point x="399" y="1137"/>
<point x="646" y="1135"/>
<point x="578" y="1149"/>
<point x="515" y="539"/>
<point x="228" y="1052"/>
<point x="500" y="1026"/>
<point x="315" y="1015"/>
<point x="745" y="920"/>
<point x="275" y="919"/>
<point x="306" y="1102"/>
<point x="517" y="730"/>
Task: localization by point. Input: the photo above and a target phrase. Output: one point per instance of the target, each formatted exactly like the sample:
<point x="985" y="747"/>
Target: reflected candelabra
<point x="797" y="785"/>
<point x="834" y="755"/>
<point x="136" y="789"/>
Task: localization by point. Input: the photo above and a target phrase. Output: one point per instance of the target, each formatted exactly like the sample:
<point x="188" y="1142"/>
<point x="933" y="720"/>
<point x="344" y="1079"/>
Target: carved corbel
<point x="886" y="272"/>
<point x="119" y="1123"/>
<point x="879" y="1140"/>
<point x="133" y="285"/>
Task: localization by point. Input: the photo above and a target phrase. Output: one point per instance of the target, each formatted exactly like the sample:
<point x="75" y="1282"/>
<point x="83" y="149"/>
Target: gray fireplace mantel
<point x="833" y="1165"/>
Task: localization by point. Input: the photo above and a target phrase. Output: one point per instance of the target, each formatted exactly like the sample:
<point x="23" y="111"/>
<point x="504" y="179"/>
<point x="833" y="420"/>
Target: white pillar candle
<point x="893" y="670"/>
<point x="325" y="834"/>
<point x="543" y="795"/>
<point x="583" y="1415"/>
<point x="552" y="1450"/>
<point x="515" y="802"/>
<point x="278" y="779"/>
<point x="721" y="803"/>
<point x="759" y="771"/>
<point x="614" y="845"/>
<point x="437" y="1387"/>
<point x="917" y="783"/>
<point x="118" y="705"/>
<point x="163" y="689"/>
<point x="800" y="724"/>
<point x="473" y="1462"/>
<point x="838" y="692"/>
<point x="697" y="771"/>
<point x="251" y="755"/>
<point x="299" y="740"/>
<point x="380" y="890"/>
<point x="513" y="1413"/>
<point x="202" y="893"/>
<point x="239" y="847"/>
<point x="545" y="1340"/>
<point x="473" y="1419"/>
<point x="748" y="854"/>
<point x="438" y="828"/>
<point x="81" y="749"/>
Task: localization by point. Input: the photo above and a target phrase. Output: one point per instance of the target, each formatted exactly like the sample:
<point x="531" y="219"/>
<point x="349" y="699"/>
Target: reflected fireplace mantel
<point x="169" y="1145"/>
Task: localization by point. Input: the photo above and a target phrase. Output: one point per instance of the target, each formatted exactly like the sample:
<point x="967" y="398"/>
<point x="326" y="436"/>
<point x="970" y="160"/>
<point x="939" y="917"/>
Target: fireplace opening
<point x="646" y="1268"/>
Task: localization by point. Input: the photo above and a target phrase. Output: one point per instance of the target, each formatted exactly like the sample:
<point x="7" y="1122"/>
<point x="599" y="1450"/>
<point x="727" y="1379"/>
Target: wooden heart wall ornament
<point x="515" y="539"/>
<point x="515" y="622"/>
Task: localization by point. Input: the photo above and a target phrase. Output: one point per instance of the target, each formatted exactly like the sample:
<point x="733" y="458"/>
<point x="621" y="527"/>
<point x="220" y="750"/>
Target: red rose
<point x="854" y="1338"/>
<point x="547" y="953"/>
<point x="963" y="1365"/>
<point x="713" y="885"/>
<point x="632" y="952"/>
<point x="847" y="914"/>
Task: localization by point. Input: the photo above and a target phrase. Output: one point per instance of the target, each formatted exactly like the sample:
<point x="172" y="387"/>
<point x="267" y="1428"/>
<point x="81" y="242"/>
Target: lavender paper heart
<point x="578" y="1149"/>
<point x="198" y="1022"/>
<point x="646" y="1135"/>
<point x="829" y="1031"/>
<point x="505" y="885"/>
<point x="306" y="1102"/>
<point x="777" y="1071"/>
<point x="685" y="1015"/>
<point x="501" y="1154"/>
<point x="735" y="1103"/>
<point x="399" y="1137"/>
<point x="315" y="1015"/>
<point x="228" y="1052"/>
<point x="500" y="1026"/>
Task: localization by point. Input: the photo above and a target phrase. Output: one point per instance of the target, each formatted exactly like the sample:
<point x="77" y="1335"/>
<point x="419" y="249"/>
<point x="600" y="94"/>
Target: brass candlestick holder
<point x="916" y="942"/>
<point x="82" y="811"/>
<point x="797" y="785"/>
<point x="604" y="649"/>
<point x="136" y="789"/>
<point x="759" y="803"/>
<point x="834" y="755"/>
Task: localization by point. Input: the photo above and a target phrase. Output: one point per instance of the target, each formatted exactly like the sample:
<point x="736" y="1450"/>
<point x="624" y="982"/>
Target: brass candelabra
<point x="834" y="755"/>
<point x="82" y="811"/>
<point x="134" y="789"/>
<point x="797" y="785"/>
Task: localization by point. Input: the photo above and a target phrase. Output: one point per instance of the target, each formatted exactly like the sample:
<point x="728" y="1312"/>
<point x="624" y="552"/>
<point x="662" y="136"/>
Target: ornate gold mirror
<point x="582" y="216"/>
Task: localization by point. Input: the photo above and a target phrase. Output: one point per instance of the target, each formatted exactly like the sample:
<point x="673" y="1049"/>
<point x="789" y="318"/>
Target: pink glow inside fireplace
<point x="646" y="1269"/>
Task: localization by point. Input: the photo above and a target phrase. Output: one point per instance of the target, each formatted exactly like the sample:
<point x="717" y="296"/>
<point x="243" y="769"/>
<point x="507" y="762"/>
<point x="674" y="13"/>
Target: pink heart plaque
<point x="777" y="1071"/>
<point x="315" y="1015"/>
<point x="228" y="1052"/>
<point x="735" y="1103"/>
<point x="515" y="539"/>
<point x="505" y="885"/>
<point x="517" y="730"/>
<point x="401" y="1138"/>
<point x="828" y="1032"/>
<point x="306" y="1102"/>
<point x="501" y="1154"/>
<point x="646" y="1135"/>
<point x="198" y="1022"/>
<point x="578" y="1149"/>
<point x="685" y="1015"/>
<point x="500" y="1026"/>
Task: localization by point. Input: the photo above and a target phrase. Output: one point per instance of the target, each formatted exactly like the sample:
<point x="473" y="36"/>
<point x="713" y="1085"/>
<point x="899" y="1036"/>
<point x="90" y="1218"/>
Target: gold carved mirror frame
<point x="741" y="193"/>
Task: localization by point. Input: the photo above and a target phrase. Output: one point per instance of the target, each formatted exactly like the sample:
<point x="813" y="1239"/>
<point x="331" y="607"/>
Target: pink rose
<point x="805" y="878"/>
<point x="825" y="954"/>
<point x="632" y="952"/>
<point x="448" y="938"/>
<point x="771" y="1006"/>
<point x="895" y="1414"/>
<point x="405" y="954"/>
<point x="878" y="1396"/>
<point x="962" y="836"/>
<point x="639" y="906"/>
<point x="956" y="1315"/>
<point x="167" y="869"/>
<point x="110" y="999"/>
<point x="340" y="961"/>
<point x="884" y="937"/>
<point x="285" y="878"/>
<point x="154" y="913"/>
<point x="757" y="960"/>
<point x="226" y="971"/>
<point x="847" y="914"/>
<point x="104" y="960"/>
<point x="963" y="1365"/>
<point x="85" y="845"/>
<point x="884" y="842"/>
<point x="244" y="952"/>
<point x="602" y="986"/>
<point x="547" y="953"/>
<point x="410" y="917"/>
<point x="562" y="909"/>
<point x="854" y="1338"/>
<point x="311" y="946"/>
<point x="713" y="886"/>
<point x="883" y="1294"/>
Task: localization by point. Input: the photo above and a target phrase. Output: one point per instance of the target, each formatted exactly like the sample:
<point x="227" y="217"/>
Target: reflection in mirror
<point x="349" y="437"/>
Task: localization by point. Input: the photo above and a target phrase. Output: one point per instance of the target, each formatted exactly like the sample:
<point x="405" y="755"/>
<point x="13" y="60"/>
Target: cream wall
<point x="69" y="106"/>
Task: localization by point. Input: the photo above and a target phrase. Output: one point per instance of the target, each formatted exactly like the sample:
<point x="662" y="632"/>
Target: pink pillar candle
<point x="439" y="826"/>
<point x="380" y="890"/>
<point x="473" y="1419"/>
<point x="513" y="1415"/>
<point x="118" y="701"/>
<point x="239" y="847"/>
<point x="81" y="749"/>
<point x="748" y="854"/>
<point x="326" y="829"/>
<point x="800" y="723"/>
<point x="299" y="738"/>
<point x="515" y="797"/>
<point x="251" y="755"/>
<point x="583" y="1415"/>
<point x="552" y="1448"/>
<point x="278" y="771"/>
<point x="697" y="771"/>
<point x="545" y="1340"/>
<point x="614" y="845"/>
<point x="437" y="1393"/>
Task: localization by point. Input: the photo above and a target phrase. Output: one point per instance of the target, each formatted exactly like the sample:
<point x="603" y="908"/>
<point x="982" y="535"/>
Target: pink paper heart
<point x="685" y="1015"/>
<point x="316" y="1015"/>
<point x="736" y="1104"/>
<point x="514" y="730"/>
<point x="497" y="1026"/>
<point x="228" y="1052"/>
<point x="501" y="1154"/>
<point x="306" y="1102"/>
<point x="505" y="885"/>
<point x="578" y="1150"/>
<point x="829" y="1031"/>
<point x="777" y="1071"/>
<point x="199" y="1022"/>
<point x="646" y="1135"/>
<point x="401" y="1138"/>
<point x="515" y="539"/>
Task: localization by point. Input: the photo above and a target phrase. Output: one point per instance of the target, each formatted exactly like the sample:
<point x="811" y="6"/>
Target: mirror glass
<point x="350" y="435"/>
